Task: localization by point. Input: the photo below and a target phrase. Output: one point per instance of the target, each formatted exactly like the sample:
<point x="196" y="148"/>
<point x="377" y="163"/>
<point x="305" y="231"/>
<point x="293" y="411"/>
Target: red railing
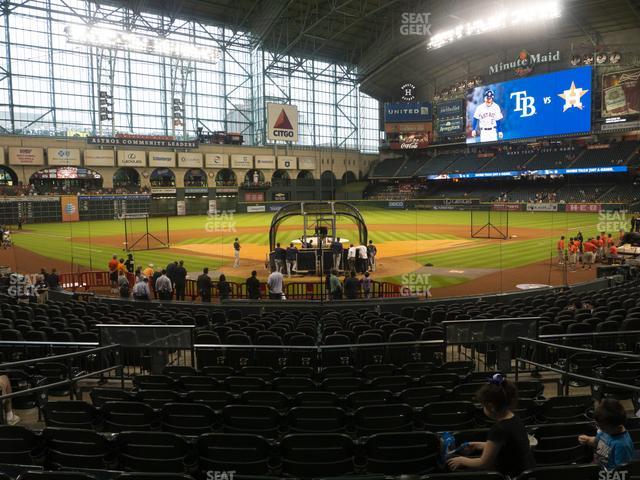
<point x="295" y="290"/>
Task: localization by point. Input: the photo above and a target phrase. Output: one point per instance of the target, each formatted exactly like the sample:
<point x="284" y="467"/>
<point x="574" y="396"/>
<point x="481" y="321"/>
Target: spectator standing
<point x="236" y="253"/>
<point x="204" y="285"/>
<point x="42" y="289"/>
<point x="253" y="286"/>
<point x="275" y="283"/>
<point x="141" y="289"/>
<point x="180" y="280"/>
<point x="123" y="285"/>
<point x="113" y="273"/>
<point x="351" y="286"/>
<point x="224" y="288"/>
<point x="53" y="280"/>
<point x="5" y="388"/>
<point x="148" y="272"/>
<point x="164" y="287"/>
<point x="154" y="278"/>
<point x="335" y="287"/>
<point x="367" y="283"/>
<point x="129" y="263"/>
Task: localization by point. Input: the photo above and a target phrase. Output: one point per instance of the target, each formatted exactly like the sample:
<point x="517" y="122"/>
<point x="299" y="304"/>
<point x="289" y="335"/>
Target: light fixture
<point x="135" y="42"/>
<point x="517" y="17"/>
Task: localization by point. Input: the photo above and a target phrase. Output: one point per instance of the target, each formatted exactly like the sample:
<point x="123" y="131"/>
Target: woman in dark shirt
<point x="507" y="447"/>
<point x="224" y="288"/>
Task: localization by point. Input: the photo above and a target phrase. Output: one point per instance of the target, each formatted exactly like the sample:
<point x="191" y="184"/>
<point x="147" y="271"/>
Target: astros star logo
<point x="572" y="97"/>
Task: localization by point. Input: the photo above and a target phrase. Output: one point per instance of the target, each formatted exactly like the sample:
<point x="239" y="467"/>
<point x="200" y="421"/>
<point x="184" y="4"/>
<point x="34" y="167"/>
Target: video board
<point x="556" y="103"/>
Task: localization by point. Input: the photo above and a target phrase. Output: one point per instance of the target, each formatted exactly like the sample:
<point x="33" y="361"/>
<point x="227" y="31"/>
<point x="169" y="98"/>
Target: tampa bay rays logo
<point x="524" y="104"/>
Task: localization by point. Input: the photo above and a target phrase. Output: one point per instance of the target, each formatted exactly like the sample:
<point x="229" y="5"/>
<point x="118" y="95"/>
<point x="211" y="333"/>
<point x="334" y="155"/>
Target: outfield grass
<point x="83" y="243"/>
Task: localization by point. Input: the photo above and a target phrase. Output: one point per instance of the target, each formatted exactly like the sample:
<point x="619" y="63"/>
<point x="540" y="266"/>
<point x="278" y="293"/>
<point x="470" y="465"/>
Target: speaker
<point x="322" y="231"/>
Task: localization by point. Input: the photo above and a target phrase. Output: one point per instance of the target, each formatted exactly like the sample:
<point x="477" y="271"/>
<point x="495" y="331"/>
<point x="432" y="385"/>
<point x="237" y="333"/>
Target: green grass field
<point x="90" y="244"/>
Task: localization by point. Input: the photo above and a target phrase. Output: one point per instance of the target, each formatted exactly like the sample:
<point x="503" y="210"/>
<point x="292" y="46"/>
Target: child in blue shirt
<point x="612" y="444"/>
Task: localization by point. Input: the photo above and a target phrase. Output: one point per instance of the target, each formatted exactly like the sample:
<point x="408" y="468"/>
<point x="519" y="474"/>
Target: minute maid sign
<point x="523" y="64"/>
<point x="282" y="122"/>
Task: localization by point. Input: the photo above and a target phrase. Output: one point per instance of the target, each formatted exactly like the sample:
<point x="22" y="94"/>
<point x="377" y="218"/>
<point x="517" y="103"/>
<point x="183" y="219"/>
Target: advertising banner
<point x="131" y="158"/>
<point x="255" y="197"/>
<point x="241" y="161"/>
<point x="396" y="204"/>
<point x="64" y="157"/>
<point x="282" y="122"/>
<point x="181" y="208"/>
<point x="450" y="108"/>
<point x="306" y="163"/>
<point x="99" y="158"/>
<point x="409" y="135"/>
<point x="26" y="156"/>
<point x="162" y="159"/>
<point x="265" y="162"/>
<point x="256" y="208"/>
<point x="506" y="207"/>
<point x="542" y="207"/>
<point x="553" y="104"/>
<point x="286" y="162"/>
<point x="582" y="207"/>
<point x="216" y="160"/>
<point x="69" y="205"/>
<point x="189" y="160"/>
<point x="450" y="126"/>
<point x="621" y="93"/>
<point x="407" y="112"/>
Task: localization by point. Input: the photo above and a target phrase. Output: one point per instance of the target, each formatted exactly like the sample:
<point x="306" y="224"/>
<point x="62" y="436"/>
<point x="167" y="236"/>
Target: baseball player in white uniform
<point x="486" y="119"/>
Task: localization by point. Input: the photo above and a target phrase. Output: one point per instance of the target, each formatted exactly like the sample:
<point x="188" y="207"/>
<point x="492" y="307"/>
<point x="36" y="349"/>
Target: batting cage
<point x="145" y="232"/>
<point x="492" y="223"/>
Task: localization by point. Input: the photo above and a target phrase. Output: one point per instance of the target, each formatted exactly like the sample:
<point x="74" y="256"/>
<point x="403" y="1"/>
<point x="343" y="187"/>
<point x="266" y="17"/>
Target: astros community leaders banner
<point x="282" y="122"/>
<point x="553" y="104"/>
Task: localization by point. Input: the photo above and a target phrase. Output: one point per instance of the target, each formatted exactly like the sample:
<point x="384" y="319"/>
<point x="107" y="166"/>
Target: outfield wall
<point x="45" y="209"/>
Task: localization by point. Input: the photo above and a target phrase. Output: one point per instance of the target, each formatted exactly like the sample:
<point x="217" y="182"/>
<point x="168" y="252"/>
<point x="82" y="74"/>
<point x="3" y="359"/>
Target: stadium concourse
<point x="471" y="169"/>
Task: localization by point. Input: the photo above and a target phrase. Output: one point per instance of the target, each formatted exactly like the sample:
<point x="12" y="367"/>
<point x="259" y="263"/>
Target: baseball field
<point x="415" y="247"/>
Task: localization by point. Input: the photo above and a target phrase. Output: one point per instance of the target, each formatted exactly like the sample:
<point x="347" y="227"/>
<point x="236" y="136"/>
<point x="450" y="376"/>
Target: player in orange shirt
<point x="589" y="256"/>
<point x="573" y="254"/>
<point x="560" y="249"/>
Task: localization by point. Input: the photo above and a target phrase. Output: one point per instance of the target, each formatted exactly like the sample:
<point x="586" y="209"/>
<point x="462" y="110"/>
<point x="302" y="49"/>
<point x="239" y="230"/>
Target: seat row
<point x="304" y="455"/>
<point x="195" y="418"/>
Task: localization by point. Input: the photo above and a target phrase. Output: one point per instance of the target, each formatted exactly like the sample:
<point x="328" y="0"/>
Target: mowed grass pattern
<point x="83" y="243"/>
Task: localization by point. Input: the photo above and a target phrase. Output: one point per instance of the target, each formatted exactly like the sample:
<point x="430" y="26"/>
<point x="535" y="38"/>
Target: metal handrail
<point x="590" y="380"/>
<point x="62" y="383"/>
<point x="593" y="334"/>
<point x="52" y="358"/>
<point x="319" y="347"/>
<point x="52" y="344"/>
<point x="579" y="349"/>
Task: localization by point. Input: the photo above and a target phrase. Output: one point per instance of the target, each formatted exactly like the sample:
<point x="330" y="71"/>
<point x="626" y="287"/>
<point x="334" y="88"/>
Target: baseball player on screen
<point x="487" y="118"/>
